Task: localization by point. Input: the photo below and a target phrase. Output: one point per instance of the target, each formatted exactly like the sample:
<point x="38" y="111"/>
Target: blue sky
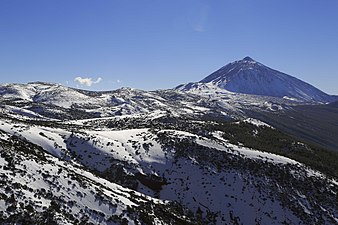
<point x="153" y="44"/>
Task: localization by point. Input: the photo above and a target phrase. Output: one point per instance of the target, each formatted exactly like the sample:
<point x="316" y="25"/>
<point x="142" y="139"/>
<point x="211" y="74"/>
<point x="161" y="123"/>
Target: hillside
<point x="163" y="157"/>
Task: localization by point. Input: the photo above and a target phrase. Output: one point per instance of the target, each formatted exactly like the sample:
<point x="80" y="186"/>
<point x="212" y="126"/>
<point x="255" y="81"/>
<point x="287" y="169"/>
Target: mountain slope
<point x="126" y="167"/>
<point x="70" y="156"/>
<point x="250" y="77"/>
<point x="37" y="188"/>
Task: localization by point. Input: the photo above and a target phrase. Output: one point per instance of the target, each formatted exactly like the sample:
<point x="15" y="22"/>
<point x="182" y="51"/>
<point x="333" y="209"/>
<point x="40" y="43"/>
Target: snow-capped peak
<point x="248" y="76"/>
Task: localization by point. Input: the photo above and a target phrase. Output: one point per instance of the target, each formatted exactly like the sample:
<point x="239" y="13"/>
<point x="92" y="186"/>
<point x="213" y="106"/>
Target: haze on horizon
<point x="161" y="44"/>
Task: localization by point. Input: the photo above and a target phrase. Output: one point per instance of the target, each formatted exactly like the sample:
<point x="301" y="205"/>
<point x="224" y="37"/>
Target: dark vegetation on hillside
<point x="279" y="177"/>
<point x="317" y="124"/>
<point x="275" y="141"/>
<point x="260" y="138"/>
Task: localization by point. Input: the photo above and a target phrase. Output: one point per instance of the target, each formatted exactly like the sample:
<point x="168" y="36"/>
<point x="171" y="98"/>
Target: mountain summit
<point x="248" y="59"/>
<point x="248" y="76"/>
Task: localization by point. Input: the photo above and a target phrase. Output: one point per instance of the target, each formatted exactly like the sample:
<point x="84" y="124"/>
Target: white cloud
<point x="98" y="80"/>
<point x="87" y="81"/>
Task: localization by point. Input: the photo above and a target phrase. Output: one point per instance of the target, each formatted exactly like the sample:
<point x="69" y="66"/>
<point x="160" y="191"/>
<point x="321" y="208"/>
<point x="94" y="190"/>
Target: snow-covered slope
<point x="37" y="188"/>
<point x="250" y="77"/>
<point x="142" y="170"/>
<point x="128" y="156"/>
<point x="54" y="101"/>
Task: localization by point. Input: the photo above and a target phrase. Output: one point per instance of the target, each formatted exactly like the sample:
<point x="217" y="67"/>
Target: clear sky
<point x="155" y="44"/>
